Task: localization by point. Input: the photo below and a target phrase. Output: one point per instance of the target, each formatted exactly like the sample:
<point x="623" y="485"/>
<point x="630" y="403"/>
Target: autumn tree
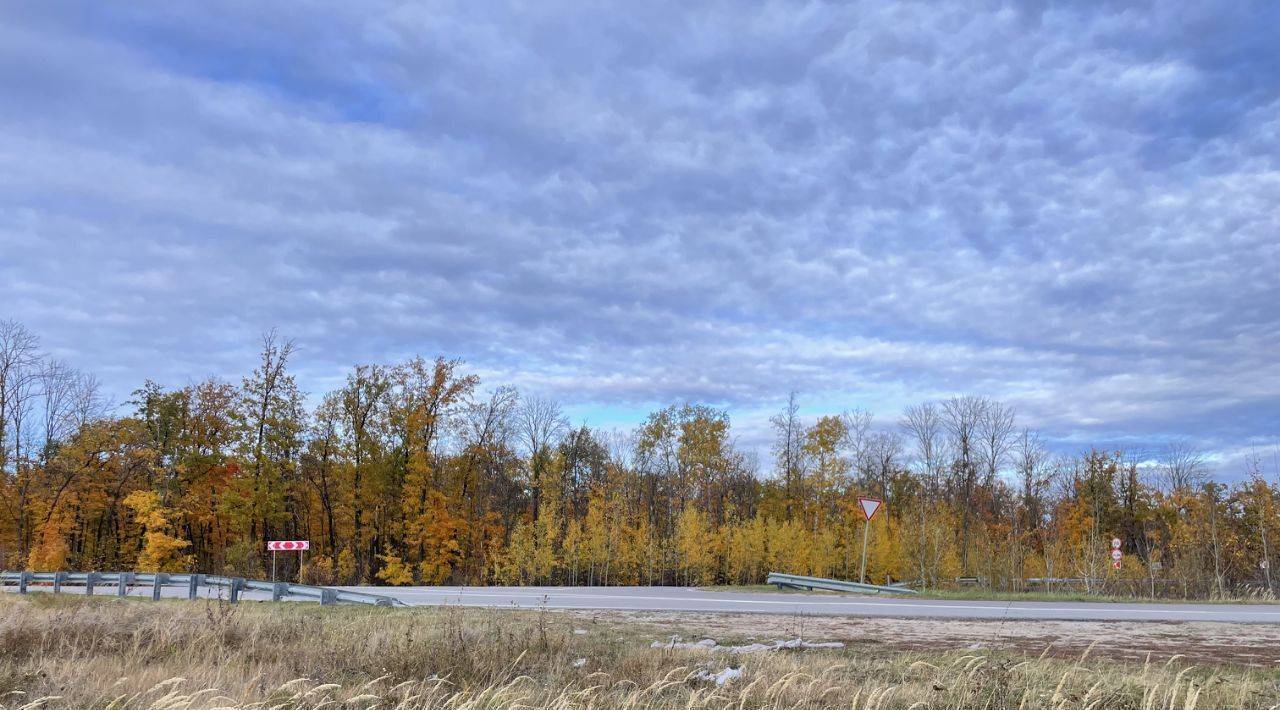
<point x="161" y="551"/>
<point x="427" y="400"/>
<point x="409" y="474"/>
<point x="360" y="407"/>
<point x="271" y="414"/>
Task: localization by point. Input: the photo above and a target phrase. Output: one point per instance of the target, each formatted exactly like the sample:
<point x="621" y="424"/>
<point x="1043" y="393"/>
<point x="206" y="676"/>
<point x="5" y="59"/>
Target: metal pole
<point x="273" y="565"/>
<point x="865" y="527"/>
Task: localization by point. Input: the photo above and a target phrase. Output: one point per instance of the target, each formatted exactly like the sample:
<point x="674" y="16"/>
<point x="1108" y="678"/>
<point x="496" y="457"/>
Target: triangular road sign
<point x="870" y="506"/>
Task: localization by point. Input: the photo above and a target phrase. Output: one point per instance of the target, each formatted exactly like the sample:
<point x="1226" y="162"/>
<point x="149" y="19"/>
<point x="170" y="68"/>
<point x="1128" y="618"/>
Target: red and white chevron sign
<point x="279" y="545"/>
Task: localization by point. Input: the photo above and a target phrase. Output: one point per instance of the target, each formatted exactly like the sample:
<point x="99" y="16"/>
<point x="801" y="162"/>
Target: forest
<point x="418" y="473"/>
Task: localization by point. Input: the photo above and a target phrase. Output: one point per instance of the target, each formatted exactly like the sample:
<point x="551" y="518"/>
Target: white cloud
<point x="1071" y="208"/>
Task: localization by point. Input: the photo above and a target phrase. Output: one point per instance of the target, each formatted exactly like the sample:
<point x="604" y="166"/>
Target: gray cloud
<point x="1067" y="205"/>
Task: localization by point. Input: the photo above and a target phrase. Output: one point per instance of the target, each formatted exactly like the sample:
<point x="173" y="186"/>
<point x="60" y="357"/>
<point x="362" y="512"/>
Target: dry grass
<point x="80" y="653"/>
<point x="1241" y="595"/>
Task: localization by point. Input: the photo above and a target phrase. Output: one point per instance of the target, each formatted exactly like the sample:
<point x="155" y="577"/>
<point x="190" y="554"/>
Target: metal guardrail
<point x="192" y="583"/>
<point x="792" y="581"/>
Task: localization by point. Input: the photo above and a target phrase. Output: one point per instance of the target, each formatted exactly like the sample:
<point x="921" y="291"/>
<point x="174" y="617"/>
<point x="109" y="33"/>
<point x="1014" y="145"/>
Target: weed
<point x="130" y="655"/>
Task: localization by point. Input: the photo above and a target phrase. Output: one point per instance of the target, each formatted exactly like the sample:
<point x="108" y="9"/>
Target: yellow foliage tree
<point x="346" y="566"/>
<point x="748" y="553"/>
<point x="51" y="551"/>
<point x="693" y="543"/>
<point x="789" y="547"/>
<point x="161" y="552"/>
<point x="439" y="538"/>
<point x="515" y="566"/>
<point x="394" y="571"/>
<point x="547" y="537"/>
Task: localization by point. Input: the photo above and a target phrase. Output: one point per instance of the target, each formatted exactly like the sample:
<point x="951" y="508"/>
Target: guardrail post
<point x="123" y="580"/>
<point x="235" y="585"/>
<point x="157" y="581"/>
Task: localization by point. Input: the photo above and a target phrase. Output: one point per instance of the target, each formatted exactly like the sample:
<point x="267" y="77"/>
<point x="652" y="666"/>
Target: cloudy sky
<point x="1073" y="207"/>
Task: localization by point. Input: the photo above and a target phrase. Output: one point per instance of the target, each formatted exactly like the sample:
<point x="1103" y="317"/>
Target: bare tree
<point x="87" y="403"/>
<point x="923" y="423"/>
<point x="962" y="417"/>
<point x="883" y="451"/>
<point x="621" y="445"/>
<point x="539" y="424"/>
<point x="857" y="425"/>
<point x="995" y="435"/>
<point x="489" y="422"/>
<point x="1183" y="466"/>
<point x="18" y="357"/>
<point x="23" y="422"/>
<point x="58" y="384"/>
<point x="1031" y="460"/>
<point x="788" y="450"/>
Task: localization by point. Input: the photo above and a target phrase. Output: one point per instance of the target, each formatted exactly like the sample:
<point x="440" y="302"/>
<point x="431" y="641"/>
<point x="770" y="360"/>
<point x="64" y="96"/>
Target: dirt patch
<point x="1208" y="643"/>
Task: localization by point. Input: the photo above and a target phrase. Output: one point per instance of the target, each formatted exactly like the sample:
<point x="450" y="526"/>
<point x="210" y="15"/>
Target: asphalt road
<point x="683" y="599"/>
<point x="695" y="600"/>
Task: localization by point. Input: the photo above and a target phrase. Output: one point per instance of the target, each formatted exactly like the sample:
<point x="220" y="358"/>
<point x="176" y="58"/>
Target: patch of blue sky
<point x="265" y="57"/>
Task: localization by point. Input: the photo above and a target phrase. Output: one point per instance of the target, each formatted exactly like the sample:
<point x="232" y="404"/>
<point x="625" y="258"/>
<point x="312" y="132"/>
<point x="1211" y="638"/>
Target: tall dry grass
<point x="72" y="652"/>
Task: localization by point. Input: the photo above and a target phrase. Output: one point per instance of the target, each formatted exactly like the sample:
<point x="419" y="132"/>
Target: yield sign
<point x="870" y="506"/>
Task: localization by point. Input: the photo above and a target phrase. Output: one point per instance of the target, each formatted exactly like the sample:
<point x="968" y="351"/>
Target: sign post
<point x="1116" y="554"/>
<point x="289" y="546"/>
<point x="870" y="506"/>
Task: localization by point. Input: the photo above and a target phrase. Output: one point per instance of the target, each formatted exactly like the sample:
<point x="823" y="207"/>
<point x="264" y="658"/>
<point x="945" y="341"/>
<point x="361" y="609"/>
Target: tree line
<point x="413" y="474"/>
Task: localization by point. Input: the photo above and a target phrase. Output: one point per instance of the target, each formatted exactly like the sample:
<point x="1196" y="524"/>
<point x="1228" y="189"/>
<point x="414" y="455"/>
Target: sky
<point x="1072" y="207"/>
